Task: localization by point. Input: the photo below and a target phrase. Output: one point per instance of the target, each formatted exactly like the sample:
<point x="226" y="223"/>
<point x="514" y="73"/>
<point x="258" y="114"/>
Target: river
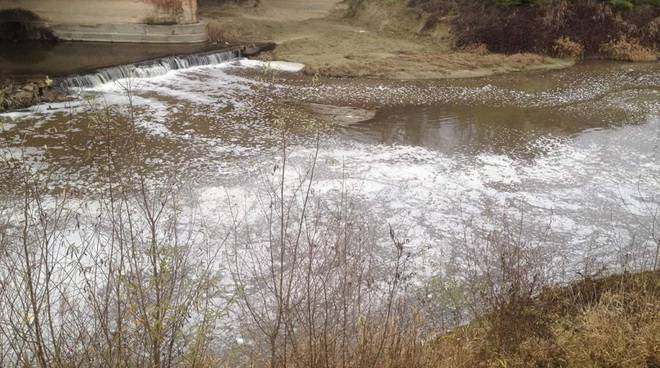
<point x="571" y="156"/>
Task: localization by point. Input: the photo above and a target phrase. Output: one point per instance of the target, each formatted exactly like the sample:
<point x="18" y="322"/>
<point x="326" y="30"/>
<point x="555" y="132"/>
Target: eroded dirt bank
<point x="380" y="42"/>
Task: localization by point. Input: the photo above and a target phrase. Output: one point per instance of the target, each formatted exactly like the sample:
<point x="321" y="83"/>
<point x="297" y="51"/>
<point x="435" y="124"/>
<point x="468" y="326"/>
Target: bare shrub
<point x="500" y="28"/>
<point x="435" y="7"/>
<point x="130" y="287"/>
<point x="606" y="322"/>
<point x="532" y="26"/>
<point x="353" y="7"/>
<point x="475" y="48"/>
<point x="318" y="290"/>
<point x="566" y="48"/>
<point x="624" y="49"/>
<point x="504" y="271"/>
<point x="126" y="279"/>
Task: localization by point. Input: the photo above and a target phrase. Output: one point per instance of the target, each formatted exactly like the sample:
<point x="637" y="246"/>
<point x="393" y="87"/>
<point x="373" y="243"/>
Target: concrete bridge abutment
<point x="139" y="21"/>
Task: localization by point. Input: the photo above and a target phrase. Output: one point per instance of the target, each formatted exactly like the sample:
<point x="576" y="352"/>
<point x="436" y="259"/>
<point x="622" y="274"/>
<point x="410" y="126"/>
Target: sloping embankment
<point x="372" y="44"/>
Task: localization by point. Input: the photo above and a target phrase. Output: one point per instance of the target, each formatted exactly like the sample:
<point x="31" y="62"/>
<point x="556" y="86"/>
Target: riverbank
<point x="387" y="42"/>
<point x="25" y="92"/>
<point x="602" y="322"/>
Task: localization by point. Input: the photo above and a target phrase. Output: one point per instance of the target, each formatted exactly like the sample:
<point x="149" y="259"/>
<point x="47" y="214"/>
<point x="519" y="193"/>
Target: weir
<point x="145" y="69"/>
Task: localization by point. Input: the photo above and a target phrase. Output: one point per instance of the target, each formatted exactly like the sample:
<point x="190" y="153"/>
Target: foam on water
<point x="577" y="185"/>
<point x="591" y="197"/>
<point x="283" y="66"/>
<point x="576" y="189"/>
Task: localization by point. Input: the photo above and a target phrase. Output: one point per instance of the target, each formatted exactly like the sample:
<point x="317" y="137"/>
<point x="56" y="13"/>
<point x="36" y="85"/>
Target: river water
<point x="573" y="156"/>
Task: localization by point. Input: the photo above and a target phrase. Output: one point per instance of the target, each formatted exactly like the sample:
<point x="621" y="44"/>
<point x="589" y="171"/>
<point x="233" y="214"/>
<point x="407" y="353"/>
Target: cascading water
<point x="147" y="69"/>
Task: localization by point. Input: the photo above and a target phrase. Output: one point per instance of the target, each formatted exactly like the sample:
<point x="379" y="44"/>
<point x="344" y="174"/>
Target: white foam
<point x="578" y="183"/>
<point x="283" y="66"/>
<point x="427" y="195"/>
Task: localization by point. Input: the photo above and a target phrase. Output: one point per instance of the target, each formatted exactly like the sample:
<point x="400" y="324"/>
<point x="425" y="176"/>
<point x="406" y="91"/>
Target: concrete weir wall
<point x="142" y="21"/>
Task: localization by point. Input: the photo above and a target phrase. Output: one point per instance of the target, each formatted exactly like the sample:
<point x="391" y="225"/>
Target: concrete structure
<point x="152" y="21"/>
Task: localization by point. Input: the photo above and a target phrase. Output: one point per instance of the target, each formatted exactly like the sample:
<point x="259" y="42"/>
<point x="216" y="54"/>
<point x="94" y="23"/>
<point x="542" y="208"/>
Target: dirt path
<point x="292" y="10"/>
<point x="382" y="42"/>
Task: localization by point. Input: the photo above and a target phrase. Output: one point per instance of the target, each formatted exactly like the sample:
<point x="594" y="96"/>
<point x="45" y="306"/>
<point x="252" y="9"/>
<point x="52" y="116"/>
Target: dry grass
<point x="611" y="322"/>
<point x="627" y="50"/>
<point x="617" y="331"/>
<point x="475" y="48"/>
<point x="566" y="48"/>
<point x="217" y="33"/>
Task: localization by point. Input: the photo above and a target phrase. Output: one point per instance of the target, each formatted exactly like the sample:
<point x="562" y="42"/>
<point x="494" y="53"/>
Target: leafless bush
<point x="505" y="267"/>
<point x="436" y="7"/>
<point x="565" y="48"/>
<point x="313" y="286"/>
<point x="627" y="50"/>
<point x="123" y="282"/>
<point x="534" y="26"/>
<point x="476" y="48"/>
<point x="126" y="279"/>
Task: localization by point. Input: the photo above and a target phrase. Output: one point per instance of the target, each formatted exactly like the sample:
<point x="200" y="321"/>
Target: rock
<point x="51" y="95"/>
<point x="23" y="98"/>
<point x="340" y="115"/>
<point x="6" y="85"/>
<point x="255" y="49"/>
<point x="21" y="94"/>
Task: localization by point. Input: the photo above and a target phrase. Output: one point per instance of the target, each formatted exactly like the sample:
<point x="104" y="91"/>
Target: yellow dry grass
<point x="609" y="322"/>
<point x="624" y="49"/>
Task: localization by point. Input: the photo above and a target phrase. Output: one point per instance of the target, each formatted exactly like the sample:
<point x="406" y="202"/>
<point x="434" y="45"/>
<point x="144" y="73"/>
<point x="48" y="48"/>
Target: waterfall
<point x="146" y="69"/>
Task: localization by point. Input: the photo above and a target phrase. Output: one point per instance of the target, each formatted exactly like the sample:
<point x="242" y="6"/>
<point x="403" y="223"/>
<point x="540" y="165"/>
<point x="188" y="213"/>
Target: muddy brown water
<point x="473" y="129"/>
<point x="577" y="150"/>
